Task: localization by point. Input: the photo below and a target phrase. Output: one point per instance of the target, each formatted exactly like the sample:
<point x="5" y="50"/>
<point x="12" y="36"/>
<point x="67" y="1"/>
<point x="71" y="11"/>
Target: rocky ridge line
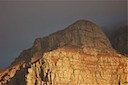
<point x="40" y="63"/>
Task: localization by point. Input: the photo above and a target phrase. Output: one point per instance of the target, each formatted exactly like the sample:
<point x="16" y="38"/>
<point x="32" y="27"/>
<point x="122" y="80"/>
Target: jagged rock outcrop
<point x="119" y="40"/>
<point x="82" y="33"/>
<point x="81" y="54"/>
<point x="74" y="66"/>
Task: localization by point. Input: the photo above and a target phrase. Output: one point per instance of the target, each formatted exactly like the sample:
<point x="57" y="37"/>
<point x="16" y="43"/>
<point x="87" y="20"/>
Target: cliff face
<point x="78" y="55"/>
<point x="74" y="66"/>
<point x="82" y="33"/>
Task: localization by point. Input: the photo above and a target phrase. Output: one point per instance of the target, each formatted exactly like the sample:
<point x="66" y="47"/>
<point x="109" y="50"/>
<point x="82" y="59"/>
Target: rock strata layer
<point x="81" y="54"/>
<point x="73" y="66"/>
<point x="82" y="33"/>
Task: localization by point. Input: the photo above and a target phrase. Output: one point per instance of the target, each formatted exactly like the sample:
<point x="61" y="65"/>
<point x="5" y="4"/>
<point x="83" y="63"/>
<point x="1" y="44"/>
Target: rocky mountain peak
<point x="82" y="25"/>
<point x="81" y="54"/>
<point x="82" y="33"/>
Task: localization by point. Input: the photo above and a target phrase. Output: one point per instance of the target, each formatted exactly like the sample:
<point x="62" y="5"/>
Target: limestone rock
<point x="73" y="66"/>
<point x="81" y="33"/>
<point x="81" y="54"/>
<point x="9" y="73"/>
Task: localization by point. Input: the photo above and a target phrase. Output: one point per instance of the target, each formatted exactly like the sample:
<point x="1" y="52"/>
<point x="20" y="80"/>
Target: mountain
<point x="119" y="40"/>
<point x="81" y="54"/>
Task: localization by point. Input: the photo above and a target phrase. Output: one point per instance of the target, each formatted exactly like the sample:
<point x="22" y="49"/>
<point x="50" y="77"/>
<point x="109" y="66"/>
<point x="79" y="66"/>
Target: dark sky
<point x="23" y="21"/>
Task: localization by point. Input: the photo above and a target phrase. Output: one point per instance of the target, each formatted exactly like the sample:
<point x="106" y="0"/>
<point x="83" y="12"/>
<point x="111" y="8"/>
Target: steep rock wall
<point x="70" y="66"/>
<point x="81" y="54"/>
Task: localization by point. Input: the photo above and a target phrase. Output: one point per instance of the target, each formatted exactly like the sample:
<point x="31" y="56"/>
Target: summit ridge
<point x="80" y="54"/>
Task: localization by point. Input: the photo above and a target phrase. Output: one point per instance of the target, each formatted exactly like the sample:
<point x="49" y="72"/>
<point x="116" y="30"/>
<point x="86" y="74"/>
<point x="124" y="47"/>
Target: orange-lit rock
<point x="81" y="54"/>
<point x="76" y="67"/>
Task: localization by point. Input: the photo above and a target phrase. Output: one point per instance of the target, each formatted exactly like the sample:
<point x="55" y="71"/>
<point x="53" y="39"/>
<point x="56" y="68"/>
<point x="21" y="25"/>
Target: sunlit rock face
<point x="74" y="66"/>
<point x="81" y="33"/>
<point x="81" y="54"/>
